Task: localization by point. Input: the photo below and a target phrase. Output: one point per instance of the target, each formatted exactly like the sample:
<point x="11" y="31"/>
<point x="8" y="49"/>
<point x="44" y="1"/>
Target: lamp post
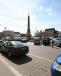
<point x="4" y="33"/>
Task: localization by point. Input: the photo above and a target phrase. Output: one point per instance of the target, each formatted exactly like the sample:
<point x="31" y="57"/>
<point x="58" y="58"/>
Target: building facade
<point x="51" y="32"/>
<point x="59" y="34"/>
<point x="8" y="33"/>
<point x="17" y="34"/>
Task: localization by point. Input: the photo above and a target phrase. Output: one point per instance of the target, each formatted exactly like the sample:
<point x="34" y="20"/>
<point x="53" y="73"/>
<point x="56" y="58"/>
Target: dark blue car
<point x="56" y="66"/>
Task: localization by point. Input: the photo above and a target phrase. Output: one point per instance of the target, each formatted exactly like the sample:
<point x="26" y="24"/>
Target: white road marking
<point x="49" y="60"/>
<point x="11" y="68"/>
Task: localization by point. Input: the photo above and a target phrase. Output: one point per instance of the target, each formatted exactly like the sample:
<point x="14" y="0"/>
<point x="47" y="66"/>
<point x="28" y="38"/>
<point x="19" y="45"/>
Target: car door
<point x="5" y="47"/>
<point x="55" y="42"/>
<point x="8" y="46"/>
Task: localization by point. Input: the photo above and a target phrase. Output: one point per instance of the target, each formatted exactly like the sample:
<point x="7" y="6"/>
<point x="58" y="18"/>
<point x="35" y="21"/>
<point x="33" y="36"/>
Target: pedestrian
<point x="52" y="43"/>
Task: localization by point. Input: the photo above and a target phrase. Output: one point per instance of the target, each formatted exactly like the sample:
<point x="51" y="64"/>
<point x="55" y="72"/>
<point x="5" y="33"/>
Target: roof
<point x="50" y="29"/>
<point x="17" y="32"/>
<point x="8" y="31"/>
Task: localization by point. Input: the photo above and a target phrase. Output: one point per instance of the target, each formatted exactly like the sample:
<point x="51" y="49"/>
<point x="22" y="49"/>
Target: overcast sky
<point x="43" y="14"/>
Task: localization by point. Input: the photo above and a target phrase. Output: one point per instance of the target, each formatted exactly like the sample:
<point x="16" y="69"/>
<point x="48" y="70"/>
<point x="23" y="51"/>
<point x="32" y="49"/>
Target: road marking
<point x="11" y="68"/>
<point x="49" y="60"/>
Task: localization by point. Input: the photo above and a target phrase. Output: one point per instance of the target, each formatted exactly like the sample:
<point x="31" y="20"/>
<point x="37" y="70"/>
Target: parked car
<point x="24" y="40"/>
<point x="36" y="41"/>
<point x="52" y="41"/>
<point x="1" y="43"/>
<point x="14" y="48"/>
<point x="46" y="41"/>
<point x="16" y="39"/>
<point x="57" y="42"/>
<point x="32" y="40"/>
<point x="56" y="66"/>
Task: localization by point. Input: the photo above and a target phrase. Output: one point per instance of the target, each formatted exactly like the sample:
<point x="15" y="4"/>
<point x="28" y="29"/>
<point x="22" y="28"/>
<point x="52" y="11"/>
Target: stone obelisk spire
<point x="28" y="28"/>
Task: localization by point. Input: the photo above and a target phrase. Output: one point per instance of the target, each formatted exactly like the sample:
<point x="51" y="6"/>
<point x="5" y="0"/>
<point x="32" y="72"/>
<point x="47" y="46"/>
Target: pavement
<point x="4" y="71"/>
<point x="36" y="63"/>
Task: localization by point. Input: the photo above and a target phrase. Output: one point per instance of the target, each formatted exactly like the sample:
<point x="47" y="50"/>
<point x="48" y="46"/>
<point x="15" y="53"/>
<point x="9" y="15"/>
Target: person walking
<point x="52" y="43"/>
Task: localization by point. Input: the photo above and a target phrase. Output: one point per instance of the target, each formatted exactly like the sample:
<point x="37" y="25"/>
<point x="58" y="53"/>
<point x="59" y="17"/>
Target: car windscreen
<point x="58" y="39"/>
<point x="46" y="39"/>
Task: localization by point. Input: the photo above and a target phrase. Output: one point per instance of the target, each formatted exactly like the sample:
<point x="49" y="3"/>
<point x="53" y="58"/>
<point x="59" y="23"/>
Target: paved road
<point x="47" y="52"/>
<point x="36" y="63"/>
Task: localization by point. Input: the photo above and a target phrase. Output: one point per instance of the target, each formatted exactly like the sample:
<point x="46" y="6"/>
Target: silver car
<point x="57" y="42"/>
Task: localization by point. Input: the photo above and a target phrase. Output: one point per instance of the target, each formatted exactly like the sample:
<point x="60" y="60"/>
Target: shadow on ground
<point x="19" y="60"/>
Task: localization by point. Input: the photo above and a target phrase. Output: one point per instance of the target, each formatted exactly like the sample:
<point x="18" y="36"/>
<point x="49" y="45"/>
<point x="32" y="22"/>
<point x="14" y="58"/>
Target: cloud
<point x="14" y="13"/>
<point x="50" y="11"/>
<point x="16" y="21"/>
<point x="41" y="8"/>
<point x="42" y="27"/>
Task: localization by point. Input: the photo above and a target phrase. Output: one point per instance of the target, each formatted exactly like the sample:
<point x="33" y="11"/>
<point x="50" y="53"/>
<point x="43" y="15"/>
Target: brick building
<point x="51" y="32"/>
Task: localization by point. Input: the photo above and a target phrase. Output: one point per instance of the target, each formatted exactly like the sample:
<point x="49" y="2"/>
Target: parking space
<point x="37" y="62"/>
<point x="4" y="71"/>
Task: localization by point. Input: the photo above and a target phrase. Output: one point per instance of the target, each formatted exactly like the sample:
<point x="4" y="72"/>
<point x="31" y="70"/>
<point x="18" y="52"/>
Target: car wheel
<point x="9" y="54"/>
<point x="34" y="43"/>
<point x="0" y="50"/>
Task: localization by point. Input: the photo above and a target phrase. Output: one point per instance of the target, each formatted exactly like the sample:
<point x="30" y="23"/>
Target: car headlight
<point x="57" y="66"/>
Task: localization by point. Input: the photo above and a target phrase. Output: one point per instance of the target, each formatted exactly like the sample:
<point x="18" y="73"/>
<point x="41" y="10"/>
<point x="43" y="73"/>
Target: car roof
<point x="14" y="41"/>
<point x="17" y="43"/>
<point x="1" y="40"/>
<point x="58" y="59"/>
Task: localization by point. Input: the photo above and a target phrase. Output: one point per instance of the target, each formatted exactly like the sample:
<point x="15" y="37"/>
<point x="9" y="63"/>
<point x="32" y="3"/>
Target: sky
<point x="43" y="14"/>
